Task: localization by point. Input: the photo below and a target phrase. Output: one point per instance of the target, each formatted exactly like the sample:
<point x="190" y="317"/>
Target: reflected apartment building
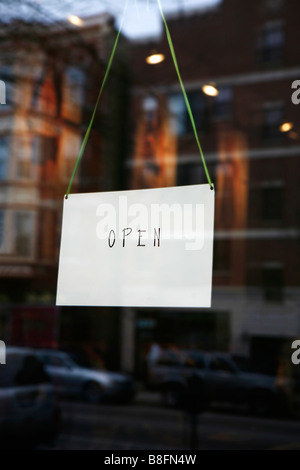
<point x="52" y="74"/>
<point x="249" y="51"/>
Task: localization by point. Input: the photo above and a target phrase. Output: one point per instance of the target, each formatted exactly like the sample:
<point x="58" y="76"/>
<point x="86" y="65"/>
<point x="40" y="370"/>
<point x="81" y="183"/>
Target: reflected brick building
<point x="249" y="50"/>
<point x="52" y="75"/>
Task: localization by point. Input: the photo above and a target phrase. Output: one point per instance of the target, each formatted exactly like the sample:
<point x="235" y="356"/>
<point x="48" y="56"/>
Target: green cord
<point x="184" y="92"/>
<point x="83" y="145"/>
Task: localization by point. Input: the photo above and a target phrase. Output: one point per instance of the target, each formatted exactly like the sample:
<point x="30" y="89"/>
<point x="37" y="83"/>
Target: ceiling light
<point x="286" y="127"/>
<point x="210" y="90"/>
<point x="155" y="59"/>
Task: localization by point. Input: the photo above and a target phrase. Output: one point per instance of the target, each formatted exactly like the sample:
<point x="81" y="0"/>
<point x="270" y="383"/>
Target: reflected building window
<point x="273" y="202"/>
<point x="271" y="43"/>
<point x="178" y="110"/>
<point x="23" y="222"/>
<point x="199" y="110"/>
<point x="273" y="6"/>
<point x="155" y="145"/>
<point x="36" y="92"/>
<point x="76" y="78"/>
<point x="24" y="158"/>
<point x="273" y="114"/>
<point x="222" y="249"/>
<point x="190" y="173"/>
<point x="73" y="93"/>
<point x="44" y="96"/>
<point x="176" y="106"/>
<point x="153" y="123"/>
<point x="4" y="157"/>
<point x="222" y="103"/>
<point x="273" y="282"/>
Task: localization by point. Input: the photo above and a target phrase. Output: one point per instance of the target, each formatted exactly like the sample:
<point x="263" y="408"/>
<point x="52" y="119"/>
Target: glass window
<point x="32" y="372"/>
<point x="190" y="173"/>
<point x="273" y="283"/>
<point x="73" y="93"/>
<point x="36" y="92"/>
<point x="272" y="203"/>
<point x="222" y="103"/>
<point x="273" y="114"/>
<point x="24" y="158"/>
<point x="177" y="109"/>
<point x="142" y="138"/>
<point x="180" y="116"/>
<point x="56" y="361"/>
<point x="271" y="44"/>
<point x="222" y="255"/>
<point x="76" y="78"/>
<point x="23" y="230"/>
<point x="197" y="103"/>
<point x="273" y="6"/>
<point x="44" y="94"/>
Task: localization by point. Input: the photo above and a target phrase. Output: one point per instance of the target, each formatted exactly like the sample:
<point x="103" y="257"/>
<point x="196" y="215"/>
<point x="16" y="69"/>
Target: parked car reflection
<point x="219" y="380"/>
<point x="93" y="386"/>
<point x="28" y="408"/>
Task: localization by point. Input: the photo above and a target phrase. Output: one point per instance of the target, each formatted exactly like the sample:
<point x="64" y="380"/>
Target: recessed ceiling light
<point x="155" y="59"/>
<point x="286" y="127"/>
<point x="210" y="90"/>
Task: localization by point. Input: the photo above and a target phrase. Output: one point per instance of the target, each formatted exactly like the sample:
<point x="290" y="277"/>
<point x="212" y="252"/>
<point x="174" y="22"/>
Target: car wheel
<point x="261" y="403"/>
<point x="92" y="392"/>
<point x="172" y="396"/>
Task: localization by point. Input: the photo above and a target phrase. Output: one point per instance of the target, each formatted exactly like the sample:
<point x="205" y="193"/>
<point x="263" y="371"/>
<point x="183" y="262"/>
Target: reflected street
<point x="148" y="426"/>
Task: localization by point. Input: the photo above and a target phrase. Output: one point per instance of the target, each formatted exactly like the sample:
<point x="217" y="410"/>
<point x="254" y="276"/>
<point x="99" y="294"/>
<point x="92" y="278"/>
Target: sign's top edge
<point x="144" y="190"/>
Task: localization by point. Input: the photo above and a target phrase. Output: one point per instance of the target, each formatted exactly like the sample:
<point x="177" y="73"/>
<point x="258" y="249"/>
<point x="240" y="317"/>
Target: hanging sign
<point x="144" y="248"/>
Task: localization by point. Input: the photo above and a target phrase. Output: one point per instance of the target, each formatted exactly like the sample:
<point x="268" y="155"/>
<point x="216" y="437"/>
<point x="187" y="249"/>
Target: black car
<point x="214" y="378"/>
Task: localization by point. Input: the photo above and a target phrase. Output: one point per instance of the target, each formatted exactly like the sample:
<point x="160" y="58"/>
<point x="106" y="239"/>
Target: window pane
<point x="272" y="119"/>
<point x="222" y="104"/>
<point x="177" y="112"/>
<point x="23" y="229"/>
<point x="273" y="283"/>
<point x="271" y="44"/>
<point x="222" y="255"/>
<point x="272" y="203"/>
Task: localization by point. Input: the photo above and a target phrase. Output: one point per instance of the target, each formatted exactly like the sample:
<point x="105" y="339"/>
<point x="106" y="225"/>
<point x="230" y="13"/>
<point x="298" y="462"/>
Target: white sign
<point x="144" y="248"/>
